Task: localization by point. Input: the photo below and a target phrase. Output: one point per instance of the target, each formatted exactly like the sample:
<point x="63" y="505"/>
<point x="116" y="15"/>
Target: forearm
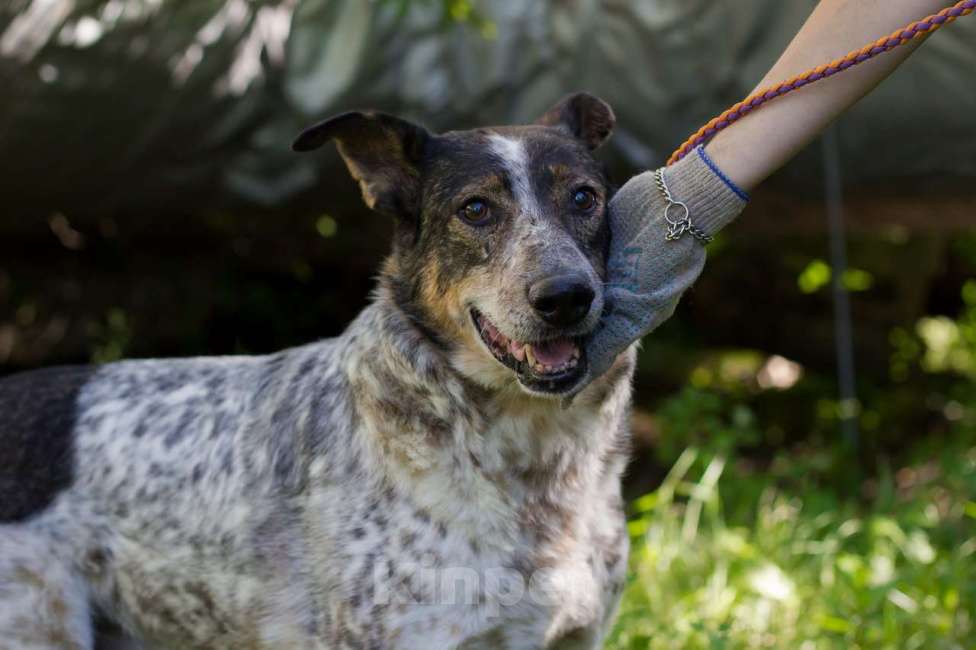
<point x="762" y="141"/>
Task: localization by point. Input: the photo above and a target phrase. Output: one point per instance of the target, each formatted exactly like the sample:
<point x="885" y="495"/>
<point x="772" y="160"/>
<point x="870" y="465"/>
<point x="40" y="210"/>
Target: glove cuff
<point x="713" y="200"/>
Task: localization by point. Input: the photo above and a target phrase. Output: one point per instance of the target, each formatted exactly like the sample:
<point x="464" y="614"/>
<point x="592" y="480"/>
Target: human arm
<point x="647" y="273"/>
<point x="763" y="141"/>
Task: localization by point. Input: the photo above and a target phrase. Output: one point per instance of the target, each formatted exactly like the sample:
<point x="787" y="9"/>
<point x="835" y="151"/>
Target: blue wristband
<point x="742" y="194"/>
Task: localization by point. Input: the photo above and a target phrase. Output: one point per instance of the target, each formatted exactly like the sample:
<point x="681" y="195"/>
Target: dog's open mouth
<point x="551" y="366"/>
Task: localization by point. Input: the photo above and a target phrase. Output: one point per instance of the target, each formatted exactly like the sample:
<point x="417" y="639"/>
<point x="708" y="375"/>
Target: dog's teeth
<point x="530" y="356"/>
<point x="517" y="350"/>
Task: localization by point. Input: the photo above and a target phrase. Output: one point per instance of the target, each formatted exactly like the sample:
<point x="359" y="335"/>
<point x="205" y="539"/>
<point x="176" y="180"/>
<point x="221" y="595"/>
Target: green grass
<point x="725" y="556"/>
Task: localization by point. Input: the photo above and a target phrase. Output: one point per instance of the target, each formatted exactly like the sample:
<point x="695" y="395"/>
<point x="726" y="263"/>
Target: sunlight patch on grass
<point x="802" y="569"/>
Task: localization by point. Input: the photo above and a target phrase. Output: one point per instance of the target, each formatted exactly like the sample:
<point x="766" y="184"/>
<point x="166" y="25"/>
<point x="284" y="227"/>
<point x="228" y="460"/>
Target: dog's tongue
<point x="555" y="352"/>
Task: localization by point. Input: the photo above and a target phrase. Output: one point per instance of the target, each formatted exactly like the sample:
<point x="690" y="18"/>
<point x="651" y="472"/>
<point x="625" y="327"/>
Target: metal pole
<point x="849" y="406"/>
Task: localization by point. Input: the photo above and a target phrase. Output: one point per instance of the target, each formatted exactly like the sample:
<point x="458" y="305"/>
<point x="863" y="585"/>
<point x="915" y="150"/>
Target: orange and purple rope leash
<point x="851" y="59"/>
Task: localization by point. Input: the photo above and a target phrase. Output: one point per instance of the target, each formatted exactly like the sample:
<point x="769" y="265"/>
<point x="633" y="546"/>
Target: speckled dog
<point x="418" y="482"/>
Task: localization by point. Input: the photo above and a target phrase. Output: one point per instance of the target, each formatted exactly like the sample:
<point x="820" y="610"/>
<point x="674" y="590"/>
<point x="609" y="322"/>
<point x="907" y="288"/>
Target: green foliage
<point x="942" y="347"/>
<point x="705" y="421"/>
<point x="454" y="12"/>
<point x="950" y="344"/>
<point x="796" y="575"/>
<point x="725" y="556"/>
<point x="818" y="273"/>
<point x="111" y="337"/>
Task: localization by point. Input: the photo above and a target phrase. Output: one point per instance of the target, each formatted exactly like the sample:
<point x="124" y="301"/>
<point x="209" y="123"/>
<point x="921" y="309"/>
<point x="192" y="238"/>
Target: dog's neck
<point x="454" y="443"/>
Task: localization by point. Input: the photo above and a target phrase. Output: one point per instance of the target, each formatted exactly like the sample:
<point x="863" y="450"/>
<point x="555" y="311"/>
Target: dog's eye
<point x="584" y="198"/>
<point x="475" y="212"/>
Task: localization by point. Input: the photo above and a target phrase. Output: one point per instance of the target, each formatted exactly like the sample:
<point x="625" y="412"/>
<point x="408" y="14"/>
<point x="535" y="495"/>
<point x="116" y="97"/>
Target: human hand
<point x="648" y="271"/>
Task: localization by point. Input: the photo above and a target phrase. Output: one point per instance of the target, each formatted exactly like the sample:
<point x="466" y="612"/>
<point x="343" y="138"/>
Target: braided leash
<point x="851" y="59"/>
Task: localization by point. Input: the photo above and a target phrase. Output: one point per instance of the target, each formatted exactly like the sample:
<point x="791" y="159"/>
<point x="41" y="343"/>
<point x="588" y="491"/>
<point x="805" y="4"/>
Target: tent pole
<point x="849" y="405"/>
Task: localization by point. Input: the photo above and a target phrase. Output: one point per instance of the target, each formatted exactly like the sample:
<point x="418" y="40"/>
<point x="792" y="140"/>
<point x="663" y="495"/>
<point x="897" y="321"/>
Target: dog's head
<point x="501" y="239"/>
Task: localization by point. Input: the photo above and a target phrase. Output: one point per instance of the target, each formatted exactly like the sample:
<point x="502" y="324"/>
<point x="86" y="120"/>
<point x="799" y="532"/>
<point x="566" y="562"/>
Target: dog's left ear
<point x="586" y="116"/>
<point x="383" y="153"/>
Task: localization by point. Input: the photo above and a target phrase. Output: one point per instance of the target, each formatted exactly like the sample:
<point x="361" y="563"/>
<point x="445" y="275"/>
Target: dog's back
<point x="37" y="414"/>
<point x="151" y="478"/>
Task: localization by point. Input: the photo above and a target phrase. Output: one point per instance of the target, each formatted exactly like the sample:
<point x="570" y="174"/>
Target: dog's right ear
<point x="383" y="153"/>
<point x="585" y="116"/>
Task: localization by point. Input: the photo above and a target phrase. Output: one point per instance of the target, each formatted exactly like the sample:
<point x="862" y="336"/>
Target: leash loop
<point x="680" y="226"/>
<point x="677" y="227"/>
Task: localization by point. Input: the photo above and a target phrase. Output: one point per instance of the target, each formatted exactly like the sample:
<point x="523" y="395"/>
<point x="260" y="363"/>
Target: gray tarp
<point x="151" y="105"/>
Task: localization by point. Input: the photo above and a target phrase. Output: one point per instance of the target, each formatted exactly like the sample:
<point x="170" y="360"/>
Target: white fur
<point x="516" y="161"/>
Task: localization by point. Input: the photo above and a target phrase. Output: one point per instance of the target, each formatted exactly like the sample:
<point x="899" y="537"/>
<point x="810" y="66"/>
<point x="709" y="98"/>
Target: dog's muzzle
<point x="552" y="366"/>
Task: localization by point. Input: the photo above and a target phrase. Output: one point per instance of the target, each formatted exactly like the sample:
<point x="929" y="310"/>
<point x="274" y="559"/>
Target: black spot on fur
<point x="270" y="375"/>
<point x="109" y="634"/>
<point x="227" y="461"/>
<point x="148" y="419"/>
<point x="220" y="424"/>
<point x="285" y="465"/>
<point x="37" y="422"/>
<point x="407" y="539"/>
<point x="185" y="425"/>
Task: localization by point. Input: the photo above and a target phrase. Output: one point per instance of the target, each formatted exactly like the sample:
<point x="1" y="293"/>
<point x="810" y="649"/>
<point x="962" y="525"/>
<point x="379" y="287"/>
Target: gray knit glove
<point x="647" y="273"/>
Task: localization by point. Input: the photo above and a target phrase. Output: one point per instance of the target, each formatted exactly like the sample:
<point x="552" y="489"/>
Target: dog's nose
<point x="561" y="300"/>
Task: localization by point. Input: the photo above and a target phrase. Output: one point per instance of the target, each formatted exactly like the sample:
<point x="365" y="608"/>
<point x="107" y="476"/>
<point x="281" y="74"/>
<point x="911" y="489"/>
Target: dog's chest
<point x="422" y="584"/>
<point x="474" y="551"/>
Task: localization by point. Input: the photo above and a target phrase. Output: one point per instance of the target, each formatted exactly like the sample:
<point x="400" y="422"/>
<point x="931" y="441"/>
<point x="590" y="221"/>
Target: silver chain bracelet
<point x="678" y="227"/>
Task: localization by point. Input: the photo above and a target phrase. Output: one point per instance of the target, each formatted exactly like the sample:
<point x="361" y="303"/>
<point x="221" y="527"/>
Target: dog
<point x="419" y="482"/>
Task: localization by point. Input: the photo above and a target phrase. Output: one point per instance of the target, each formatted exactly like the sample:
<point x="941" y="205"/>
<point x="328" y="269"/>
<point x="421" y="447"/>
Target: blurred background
<point x="805" y="426"/>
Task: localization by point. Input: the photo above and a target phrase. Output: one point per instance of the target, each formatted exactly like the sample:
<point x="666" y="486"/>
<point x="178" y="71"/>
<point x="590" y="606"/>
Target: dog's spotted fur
<point x="394" y="487"/>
